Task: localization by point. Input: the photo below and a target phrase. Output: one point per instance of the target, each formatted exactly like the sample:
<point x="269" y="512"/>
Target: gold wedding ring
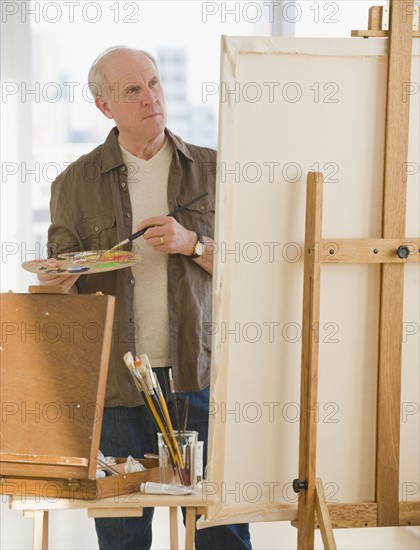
<point x="161" y="239"/>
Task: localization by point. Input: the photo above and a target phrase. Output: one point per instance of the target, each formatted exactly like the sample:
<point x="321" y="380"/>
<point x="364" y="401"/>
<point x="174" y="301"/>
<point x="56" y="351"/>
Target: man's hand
<point x="52" y="280"/>
<point x="165" y="234"/>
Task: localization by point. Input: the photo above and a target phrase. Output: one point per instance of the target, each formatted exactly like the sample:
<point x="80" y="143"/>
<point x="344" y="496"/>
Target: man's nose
<point x="148" y="97"/>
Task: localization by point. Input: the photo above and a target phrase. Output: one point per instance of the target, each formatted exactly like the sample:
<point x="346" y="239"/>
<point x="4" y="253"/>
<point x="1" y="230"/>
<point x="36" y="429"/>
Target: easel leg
<point x="190" y="528"/>
<point x="173" y="527"/>
<point x="323" y="516"/>
<point x="392" y="276"/>
<point x="309" y="369"/>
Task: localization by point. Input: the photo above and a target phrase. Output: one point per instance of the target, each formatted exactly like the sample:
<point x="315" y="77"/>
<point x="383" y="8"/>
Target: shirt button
<point x="96" y="228"/>
<point x="123" y="184"/>
<point x="123" y="168"/>
<point x="128" y="215"/>
<point x="132" y="281"/>
<point x="131" y="319"/>
<point x="202" y="208"/>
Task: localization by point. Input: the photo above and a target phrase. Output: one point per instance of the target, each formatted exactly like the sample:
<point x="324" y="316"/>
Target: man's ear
<point x="103" y="106"/>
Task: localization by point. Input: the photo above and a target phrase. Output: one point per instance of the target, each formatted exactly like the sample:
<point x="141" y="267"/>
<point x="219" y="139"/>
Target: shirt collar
<point x="179" y="145"/>
<point x="111" y="152"/>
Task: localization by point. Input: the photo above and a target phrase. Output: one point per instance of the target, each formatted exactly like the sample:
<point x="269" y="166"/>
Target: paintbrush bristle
<point x="145" y="360"/>
<point x="116" y="247"/>
<point x="143" y="372"/>
<point x="129" y="361"/>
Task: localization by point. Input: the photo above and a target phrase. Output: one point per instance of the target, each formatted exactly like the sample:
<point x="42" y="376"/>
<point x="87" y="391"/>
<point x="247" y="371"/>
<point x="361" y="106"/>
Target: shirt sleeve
<point x="62" y="234"/>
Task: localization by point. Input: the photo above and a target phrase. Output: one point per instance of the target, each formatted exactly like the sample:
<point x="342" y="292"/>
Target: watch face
<point x="199" y="248"/>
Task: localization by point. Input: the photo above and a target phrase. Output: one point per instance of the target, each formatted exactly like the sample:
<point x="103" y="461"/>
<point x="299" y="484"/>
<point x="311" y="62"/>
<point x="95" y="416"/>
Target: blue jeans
<point x="130" y="431"/>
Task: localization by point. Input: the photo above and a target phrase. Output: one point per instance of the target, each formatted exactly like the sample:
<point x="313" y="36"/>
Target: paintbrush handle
<point x="187" y="204"/>
<point x="185" y="419"/>
<point x="108" y="467"/>
<point x="137" y="234"/>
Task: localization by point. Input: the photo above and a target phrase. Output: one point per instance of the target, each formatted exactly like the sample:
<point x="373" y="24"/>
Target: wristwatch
<point x="199" y="247"/>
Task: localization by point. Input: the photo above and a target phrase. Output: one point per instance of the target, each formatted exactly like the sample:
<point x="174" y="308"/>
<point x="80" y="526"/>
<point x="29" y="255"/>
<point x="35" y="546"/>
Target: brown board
<point x="53" y="368"/>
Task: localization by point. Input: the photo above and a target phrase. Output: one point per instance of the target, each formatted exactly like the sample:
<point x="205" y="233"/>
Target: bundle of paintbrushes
<point x="148" y="385"/>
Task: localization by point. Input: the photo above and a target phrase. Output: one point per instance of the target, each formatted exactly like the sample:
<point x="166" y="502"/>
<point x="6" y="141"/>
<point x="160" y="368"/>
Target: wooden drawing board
<point x="290" y="106"/>
<point x="54" y="362"/>
<point x="83" y="263"/>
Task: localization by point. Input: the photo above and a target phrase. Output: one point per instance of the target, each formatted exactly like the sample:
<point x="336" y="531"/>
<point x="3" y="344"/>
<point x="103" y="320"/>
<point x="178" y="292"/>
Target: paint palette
<point x="83" y="263"/>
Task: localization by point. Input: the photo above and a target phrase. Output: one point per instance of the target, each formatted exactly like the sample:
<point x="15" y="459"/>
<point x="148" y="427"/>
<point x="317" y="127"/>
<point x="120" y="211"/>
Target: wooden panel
<point x="54" y="363"/>
<point x="364" y="514"/>
<point x="351" y="515"/>
<point x="392" y="276"/>
<point x="141" y="500"/>
<point x="309" y="367"/>
<point x="44" y="460"/>
<point x="42" y="470"/>
<point x="115" y="512"/>
<point x="363" y="251"/>
<point x="410" y="513"/>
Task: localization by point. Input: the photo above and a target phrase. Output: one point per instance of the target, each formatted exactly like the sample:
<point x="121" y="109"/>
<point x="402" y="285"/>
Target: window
<point x="48" y="116"/>
<point x="50" y="47"/>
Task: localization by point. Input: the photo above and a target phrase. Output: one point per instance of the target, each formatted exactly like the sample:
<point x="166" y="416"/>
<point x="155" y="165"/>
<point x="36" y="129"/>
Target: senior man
<point x="163" y="304"/>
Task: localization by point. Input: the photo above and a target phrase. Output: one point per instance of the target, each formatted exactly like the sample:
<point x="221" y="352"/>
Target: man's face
<point x="135" y="98"/>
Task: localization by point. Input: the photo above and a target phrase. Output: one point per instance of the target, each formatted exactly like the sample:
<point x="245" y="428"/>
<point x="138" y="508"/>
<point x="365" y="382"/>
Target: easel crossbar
<point x="370" y="251"/>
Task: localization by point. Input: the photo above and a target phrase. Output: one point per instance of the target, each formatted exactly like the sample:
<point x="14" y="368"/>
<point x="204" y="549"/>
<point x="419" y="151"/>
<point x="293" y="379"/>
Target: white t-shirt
<point x="147" y="185"/>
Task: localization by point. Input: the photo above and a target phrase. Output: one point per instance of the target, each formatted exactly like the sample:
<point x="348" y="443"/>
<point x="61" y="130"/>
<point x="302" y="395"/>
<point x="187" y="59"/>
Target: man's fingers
<point x="151" y="222"/>
<point x="52" y="262"/>
<point x="56" y="279"/>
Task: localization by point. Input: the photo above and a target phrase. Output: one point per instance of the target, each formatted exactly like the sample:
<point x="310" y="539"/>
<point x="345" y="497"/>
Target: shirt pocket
<point x="98" y="232"/>
<point x="200" y="216"/>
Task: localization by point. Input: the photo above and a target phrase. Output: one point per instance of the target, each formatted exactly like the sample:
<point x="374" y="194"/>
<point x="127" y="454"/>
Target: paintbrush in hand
<point x="138" y="234"/>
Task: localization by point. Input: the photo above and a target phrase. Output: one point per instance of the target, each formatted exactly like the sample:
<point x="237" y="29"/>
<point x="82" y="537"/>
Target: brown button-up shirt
<point x="91" y="210"/>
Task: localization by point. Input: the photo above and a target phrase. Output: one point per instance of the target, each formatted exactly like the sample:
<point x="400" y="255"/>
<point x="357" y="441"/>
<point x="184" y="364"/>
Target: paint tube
<point x="151" y="488"/>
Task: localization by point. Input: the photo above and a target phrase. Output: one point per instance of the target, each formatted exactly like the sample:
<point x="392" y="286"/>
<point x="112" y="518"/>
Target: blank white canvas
<point x="288" y="106"/>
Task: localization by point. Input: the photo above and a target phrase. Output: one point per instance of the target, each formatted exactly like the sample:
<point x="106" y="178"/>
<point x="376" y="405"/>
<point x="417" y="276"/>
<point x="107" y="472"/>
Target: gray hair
<point x="98" y="85"/>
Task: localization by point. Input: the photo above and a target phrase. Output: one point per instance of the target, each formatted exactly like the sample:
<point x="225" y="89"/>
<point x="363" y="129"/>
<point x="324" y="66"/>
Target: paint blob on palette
<point x="83" y="263"/>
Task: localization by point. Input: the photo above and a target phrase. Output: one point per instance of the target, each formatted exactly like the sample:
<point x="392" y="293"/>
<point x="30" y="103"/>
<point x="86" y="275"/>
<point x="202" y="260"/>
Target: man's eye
<point x="154" y="83"/>
<point x="132" y="91"/>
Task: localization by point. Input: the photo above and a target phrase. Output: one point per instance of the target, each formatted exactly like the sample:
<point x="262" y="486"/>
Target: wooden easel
<point x="392" y="251"/>
<point x="48" y="459"/>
